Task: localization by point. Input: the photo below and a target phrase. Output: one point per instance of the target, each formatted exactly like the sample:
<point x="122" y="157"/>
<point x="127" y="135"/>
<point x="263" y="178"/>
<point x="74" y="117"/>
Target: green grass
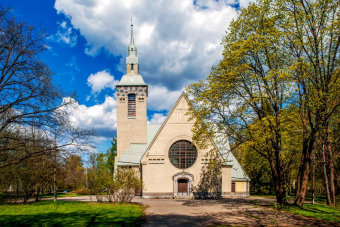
<point x="62" y="213"/>
<point x="62" y="194"/>
<point x="261" y="195"/>
<point x="317" y="211"/>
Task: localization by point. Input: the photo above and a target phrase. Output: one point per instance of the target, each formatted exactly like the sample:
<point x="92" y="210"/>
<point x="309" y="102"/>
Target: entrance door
<point x="182" y="187"/>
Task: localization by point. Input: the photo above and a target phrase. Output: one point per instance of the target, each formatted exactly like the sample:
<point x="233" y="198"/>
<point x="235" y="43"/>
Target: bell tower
<point x="132" y="93"/>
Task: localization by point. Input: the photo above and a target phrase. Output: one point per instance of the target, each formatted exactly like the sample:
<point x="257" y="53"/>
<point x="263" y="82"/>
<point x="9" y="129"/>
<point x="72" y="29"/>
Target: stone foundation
<point x="156" y="195"/>
<point x="234" y="194"/>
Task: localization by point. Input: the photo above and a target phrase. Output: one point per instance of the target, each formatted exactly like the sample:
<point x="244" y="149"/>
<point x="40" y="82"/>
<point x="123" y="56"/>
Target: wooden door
<point x="232" y="187"/>
<point x="183" y="187"/>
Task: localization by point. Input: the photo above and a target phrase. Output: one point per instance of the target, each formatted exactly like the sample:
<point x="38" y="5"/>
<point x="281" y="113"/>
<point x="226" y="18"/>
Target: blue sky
<point x="178" y="42"/>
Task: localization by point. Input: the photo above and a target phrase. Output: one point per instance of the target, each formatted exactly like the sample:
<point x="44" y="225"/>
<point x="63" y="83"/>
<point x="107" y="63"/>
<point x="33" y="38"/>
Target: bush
<point x="84" y="191"/>
<point x="118" y="188"/>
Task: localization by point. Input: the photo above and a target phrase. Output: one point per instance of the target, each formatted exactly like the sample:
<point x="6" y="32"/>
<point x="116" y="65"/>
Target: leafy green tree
<point x="245" y="94"/>
<point x="311" y="31"/>
<point x="74" y="172"/>
<point x="277" y="86"/>
<point x="111" y="154"/>
<point x="119" y="187"/>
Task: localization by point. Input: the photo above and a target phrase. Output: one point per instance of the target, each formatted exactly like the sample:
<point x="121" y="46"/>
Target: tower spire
<point x="132" y="38"/>
<point x="132" y="59"/>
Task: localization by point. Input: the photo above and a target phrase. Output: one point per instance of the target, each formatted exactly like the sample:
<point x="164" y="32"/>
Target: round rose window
<point x="182" y="154"/>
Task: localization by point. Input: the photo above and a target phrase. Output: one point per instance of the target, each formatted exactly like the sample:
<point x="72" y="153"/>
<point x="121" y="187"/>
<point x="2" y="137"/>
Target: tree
<point x="74" y="172"/>
<point x="277" y="85"/>
<point x="29" y="99"/>
<point x="245" y="94"/>
<point x="29" y="178"/>
<point x="119" y="187"/>
<point x="312" y="31"/>
<point x="111" y="154"/>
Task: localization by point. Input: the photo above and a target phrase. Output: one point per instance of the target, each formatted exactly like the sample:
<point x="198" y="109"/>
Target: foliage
<point x="35" y="127"/>
<point x="312" y="32"/>
<point x="245" y="94"/>
<point x="28" y="98"/>
<point x="74" y="172"/>
<point x="47" y="213"/>
<point x="258" y="171"/>
<point x="62" y="194"/>
<point x="26" y="179"/>
<point x="276" y="88"/>
<point x="118" y="186"/>
<point x="111" y="154"/>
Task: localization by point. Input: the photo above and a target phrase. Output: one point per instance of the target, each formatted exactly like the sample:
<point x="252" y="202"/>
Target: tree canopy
<point x="277" y="87"/>
<point x="33" y="110"/>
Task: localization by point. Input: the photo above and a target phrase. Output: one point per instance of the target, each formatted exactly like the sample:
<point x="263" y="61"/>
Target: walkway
<point x="233" y="211"/>
<point x="226" y="212"/>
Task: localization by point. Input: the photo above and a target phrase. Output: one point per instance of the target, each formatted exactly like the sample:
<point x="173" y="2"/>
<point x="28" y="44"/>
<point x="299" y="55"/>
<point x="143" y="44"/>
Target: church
<point x="164" y="155"/>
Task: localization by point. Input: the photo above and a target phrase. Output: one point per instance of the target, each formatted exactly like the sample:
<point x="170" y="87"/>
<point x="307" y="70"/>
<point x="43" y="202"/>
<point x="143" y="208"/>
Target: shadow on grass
<point x="318" y="211"/>
<point x="70" y="214"/>
<point x="69" y="219"/>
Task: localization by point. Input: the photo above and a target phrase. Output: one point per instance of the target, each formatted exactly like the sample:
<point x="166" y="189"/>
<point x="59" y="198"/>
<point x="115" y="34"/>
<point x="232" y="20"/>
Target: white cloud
<point x="178" y="41"/>
<point x="157" y="118"/>
<point x="101" y="117"/>
<point x="160" y="98"/>
<point x="245" y="3"/>
<point x="65" y="35"/>
<point x="101" y="80"/>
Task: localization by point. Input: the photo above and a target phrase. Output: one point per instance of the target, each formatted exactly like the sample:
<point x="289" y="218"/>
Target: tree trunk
<point x="331" y="173"/>
<point x="280" y="191"/>
<point x="37" y="196"/>
<point x="279" y="182"/>
<point x="313" y="180"/>
<point x="55" y="177"/>
<point x="303" y="175"/>
<point x="329" y="202"/>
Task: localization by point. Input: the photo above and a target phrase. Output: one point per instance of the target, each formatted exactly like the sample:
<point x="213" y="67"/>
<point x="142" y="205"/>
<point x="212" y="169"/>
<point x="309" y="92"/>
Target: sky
<point x="87" y="40"/>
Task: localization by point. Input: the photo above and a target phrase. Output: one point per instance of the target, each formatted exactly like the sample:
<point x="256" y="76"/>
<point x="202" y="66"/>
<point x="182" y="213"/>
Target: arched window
<point x="131" y="105"/>
<point x="182" y="154"/>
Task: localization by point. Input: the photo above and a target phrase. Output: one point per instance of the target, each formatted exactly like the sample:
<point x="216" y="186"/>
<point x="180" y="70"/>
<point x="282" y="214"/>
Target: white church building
<point x="164" y="155"/>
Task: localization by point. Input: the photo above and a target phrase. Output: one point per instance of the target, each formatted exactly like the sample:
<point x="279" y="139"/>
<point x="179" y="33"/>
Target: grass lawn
<point x="62" y="194"/>
<point x="317" y="211"/>
<point x="62" y="213"/>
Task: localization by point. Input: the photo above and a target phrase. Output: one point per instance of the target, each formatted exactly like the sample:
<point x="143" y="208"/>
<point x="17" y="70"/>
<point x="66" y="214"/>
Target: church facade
<point x="164" y="155"/>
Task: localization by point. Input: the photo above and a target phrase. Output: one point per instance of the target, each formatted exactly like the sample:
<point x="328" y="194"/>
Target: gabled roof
<point x="167" y="118"/>
<point x="135" y="151"/>
<point x="237" y="172"/>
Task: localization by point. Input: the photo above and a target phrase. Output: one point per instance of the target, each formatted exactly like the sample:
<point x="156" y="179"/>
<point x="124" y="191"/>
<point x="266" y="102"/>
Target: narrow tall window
<point x="131" y="67"/>
<point x="131" y="105"/>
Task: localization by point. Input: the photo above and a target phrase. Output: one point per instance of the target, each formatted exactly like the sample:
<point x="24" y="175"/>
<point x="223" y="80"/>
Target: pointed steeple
<point x="132" y="59"/>
<point x="132" y="38"/>
<point x="132" y="76"/>
<point x="132" y="49"/>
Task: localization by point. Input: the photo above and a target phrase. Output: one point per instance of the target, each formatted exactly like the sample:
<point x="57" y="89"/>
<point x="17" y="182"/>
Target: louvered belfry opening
<point x="182" y="154"/>
<point x="131" y="105"/>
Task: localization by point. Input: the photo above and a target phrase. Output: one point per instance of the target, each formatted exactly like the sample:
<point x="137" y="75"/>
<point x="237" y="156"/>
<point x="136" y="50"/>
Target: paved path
<point x="233" y="211"/>
<point x="229" y="212"/>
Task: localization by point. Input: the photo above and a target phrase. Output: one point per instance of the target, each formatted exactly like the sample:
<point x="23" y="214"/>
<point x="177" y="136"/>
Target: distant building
<point x="167" y="161"/>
